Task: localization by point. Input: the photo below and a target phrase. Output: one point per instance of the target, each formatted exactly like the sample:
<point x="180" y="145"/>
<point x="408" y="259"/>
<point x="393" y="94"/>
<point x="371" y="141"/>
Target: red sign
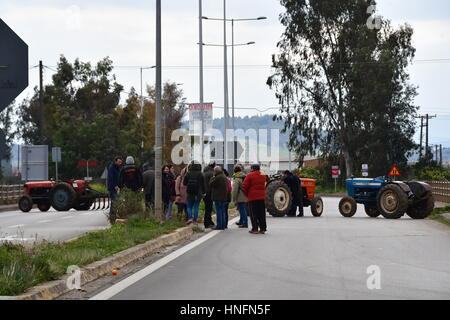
<point x="84" y="163"/>
<point x="394" y="172"/>
<point x="335" y="172"/>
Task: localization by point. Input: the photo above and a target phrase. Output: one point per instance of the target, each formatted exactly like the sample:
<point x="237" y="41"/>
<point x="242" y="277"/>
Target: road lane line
<point x="122" y="285"/>
<point x="45" y="221"/>
<point x="69" y="217"/>
<point x="16" y="226"/>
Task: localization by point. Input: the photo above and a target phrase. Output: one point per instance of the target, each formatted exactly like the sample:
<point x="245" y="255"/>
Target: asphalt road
<point x="307" y="258"/>
<point x="16" y="226"/>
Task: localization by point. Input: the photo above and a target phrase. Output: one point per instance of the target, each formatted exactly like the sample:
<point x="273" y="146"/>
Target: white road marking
<point x="68" y="217"/>
<point x="45" y="221"/>
<point x="16" y="226"/>
<point x="122" y="285"/>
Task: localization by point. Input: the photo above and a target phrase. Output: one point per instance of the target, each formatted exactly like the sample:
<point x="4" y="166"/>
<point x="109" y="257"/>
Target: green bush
<point x="100" y="188"/>
<point x="432" y="174"/>
<point x="127" y="203"/>
<point x="311" y="173"/>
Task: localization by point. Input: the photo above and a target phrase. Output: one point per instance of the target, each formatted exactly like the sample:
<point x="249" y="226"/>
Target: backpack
<point x="192" y="187"/>
<point x="230" y="188"/>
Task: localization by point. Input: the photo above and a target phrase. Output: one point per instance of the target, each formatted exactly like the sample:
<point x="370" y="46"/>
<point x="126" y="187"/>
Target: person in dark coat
<point x="171" y="177"/>
<point x="195" y="183"/>
<point x="166" y="192"/>
<point x="229" y="189"/>
<point x="219" y="194"/>
<point x="130" y="176"/>
<point x="254" y="187"/>
<point x="208" y="173"/>
<point x="113" y="177"/>
<point x="148" y="183"/>
<point x="294" y="184"/>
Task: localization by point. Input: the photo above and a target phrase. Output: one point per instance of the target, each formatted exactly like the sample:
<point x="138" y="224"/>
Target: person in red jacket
<point x="254" y="187"/>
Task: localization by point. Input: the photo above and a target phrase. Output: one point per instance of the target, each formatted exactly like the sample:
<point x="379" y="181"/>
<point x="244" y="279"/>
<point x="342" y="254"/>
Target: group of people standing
<point x="213" y="185"/>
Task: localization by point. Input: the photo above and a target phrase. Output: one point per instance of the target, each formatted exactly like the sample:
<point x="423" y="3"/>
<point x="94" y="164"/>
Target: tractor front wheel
<point x="372" y="211"/>
<point x="392" y="202"/>
<point x="62" y="196"/>
<point x="422" y="209"/>
<point x="25" y="203"/>
<point x="347" y="207"/>
<point x="317" y="206"/>
<point x="278" y="199"/>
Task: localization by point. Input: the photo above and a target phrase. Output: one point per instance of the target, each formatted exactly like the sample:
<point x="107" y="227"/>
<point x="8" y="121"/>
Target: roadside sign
<point x="13" y="65"/>
<point x="335" y="172"/>
<point x="394" y="172"/>
<point x="56" y="154"/>
<point x="365" y="170"/>
<point x="84" y="163"/>
<point x="195" y="118"/>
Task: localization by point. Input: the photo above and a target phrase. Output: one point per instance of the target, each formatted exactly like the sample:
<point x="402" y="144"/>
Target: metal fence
<point x="441" y="190"/>
<point x="10" y="194"/>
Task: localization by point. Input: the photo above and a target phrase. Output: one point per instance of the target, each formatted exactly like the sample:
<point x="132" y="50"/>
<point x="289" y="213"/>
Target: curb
<point x="54" y="289"/>
<point x="11" y="207"/>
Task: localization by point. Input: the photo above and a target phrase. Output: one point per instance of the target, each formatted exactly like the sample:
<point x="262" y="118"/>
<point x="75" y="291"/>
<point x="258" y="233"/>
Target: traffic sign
<point x="56" y="154"/>
<point x="394" y="172"/>
<point x="335" y="172"/>
<point x="13" y="65"/>
<point x="365" y="170"/>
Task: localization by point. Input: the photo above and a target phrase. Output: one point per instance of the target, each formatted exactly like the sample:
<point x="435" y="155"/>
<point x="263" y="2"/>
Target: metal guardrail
<point x="441" y="190"/>
<point x="10" y="194"/>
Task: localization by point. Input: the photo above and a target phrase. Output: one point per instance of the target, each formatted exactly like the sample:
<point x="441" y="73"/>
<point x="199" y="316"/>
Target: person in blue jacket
<point x="113" y="177"/>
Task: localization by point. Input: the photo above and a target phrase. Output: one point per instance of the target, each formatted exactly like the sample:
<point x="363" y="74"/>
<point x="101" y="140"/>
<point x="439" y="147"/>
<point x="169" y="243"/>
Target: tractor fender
<point x="421" y="190"/>
<point x="405" y="188"/>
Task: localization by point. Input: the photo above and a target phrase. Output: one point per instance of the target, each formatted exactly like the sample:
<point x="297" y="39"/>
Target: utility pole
<point x="421" y="136"/>
<point x="202" y="106"/>
<point x="158" y="142"/>
<point x="41" y="102"/>
<point x="225" y="67"/>
<point x="437" y="155"/>
<point x="440" y="162"/>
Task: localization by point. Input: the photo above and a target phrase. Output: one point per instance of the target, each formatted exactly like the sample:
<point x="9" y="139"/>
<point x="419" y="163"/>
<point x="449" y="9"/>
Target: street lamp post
<point x="233" y="72"/>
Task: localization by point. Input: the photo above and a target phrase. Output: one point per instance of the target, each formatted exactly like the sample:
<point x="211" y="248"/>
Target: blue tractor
<point x="391" y="199"/>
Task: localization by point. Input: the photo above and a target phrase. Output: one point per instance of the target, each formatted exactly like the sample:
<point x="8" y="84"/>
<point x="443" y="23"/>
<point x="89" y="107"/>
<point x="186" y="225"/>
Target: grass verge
<point x="437" y="215"/>
<point x="22" y="268"/>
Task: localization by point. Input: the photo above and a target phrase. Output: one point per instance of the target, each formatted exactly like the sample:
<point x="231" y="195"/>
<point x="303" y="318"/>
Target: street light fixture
<point x="232" y="76"/>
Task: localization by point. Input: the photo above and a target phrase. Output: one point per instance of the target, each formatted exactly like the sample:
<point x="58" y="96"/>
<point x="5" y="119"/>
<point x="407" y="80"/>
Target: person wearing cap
<point x="208" y="173"/>
<point x="254" y="187"/>
<point x="238" y="196"/>
<point x="130" y="176"/>
<point x="148" y="183"/>
<point x="219" y="194"/>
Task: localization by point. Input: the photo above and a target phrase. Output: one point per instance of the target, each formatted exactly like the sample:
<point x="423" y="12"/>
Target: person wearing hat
<point x="148" y="183"/>
<point x="238" y="196"/>
<point x="130" y="176"/>
<point x="208" y="173"/>
<point x="254" y="187"/>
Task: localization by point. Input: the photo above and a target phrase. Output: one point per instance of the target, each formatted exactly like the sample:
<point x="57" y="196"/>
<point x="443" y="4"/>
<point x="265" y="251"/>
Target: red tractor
<point x="62" y="196"/>
<point x="279" y="197"/>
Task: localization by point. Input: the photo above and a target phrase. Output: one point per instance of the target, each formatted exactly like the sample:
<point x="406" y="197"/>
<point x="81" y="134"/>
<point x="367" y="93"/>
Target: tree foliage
<point x="343" y="88"/>
<point x="83" y="115"/>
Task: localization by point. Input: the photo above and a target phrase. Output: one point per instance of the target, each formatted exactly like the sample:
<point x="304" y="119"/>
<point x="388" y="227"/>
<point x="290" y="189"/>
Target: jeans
<point x="242" y="207"/>
<point x="208" y="210"/>
<point x="227" y="205"/>
<point x="220" y="213"/>
<point x="193" y="205"/>
<point x="112" y="194"/>
<point x="169" y="210"/>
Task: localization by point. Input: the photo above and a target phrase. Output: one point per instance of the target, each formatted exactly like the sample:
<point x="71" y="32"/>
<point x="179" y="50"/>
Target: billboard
<point x="195" y="118"/>
<point x="34" y="163"/>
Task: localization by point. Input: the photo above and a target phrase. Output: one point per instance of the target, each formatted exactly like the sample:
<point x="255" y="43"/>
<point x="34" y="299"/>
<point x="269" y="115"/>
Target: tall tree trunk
<point x="348" y="163"/>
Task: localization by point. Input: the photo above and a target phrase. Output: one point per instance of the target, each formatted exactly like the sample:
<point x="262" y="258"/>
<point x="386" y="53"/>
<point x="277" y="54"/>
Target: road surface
<point x="305" y="258"/>
<point x="16" y="226"/>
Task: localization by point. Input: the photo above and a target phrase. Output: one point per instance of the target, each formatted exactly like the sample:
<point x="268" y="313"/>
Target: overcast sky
<point x="125" y="31"/>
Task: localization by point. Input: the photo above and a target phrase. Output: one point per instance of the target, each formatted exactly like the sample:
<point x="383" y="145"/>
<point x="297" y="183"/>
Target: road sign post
<point x="365" y="170"/>
<point x="56" y="158"/>
<point x="394" y="172"/>
<point x="335" y="174"/>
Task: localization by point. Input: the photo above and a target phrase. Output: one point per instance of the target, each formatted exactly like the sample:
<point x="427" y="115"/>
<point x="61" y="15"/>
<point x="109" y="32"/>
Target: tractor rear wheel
<point x="278" y="199"/>
<point x="372" y="211"/>
<point x="347" y="207"/>
<point x="62" y="196"/>
<point x="392" y="202"/>
<point x="422" y="209"/>
<point x="26" y="203"/>
<point x="44" y="206"/>
<point x="317" y="206"/>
